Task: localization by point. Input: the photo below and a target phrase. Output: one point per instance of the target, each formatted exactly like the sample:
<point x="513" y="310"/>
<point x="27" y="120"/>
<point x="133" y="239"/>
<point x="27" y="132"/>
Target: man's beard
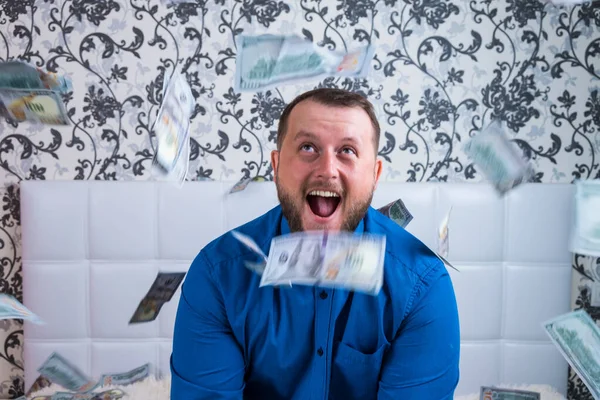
<point x="291" y="208"/>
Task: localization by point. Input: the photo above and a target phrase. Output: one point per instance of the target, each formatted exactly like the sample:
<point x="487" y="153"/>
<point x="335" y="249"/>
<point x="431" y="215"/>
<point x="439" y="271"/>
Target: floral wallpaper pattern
<point x="442" y="69"/>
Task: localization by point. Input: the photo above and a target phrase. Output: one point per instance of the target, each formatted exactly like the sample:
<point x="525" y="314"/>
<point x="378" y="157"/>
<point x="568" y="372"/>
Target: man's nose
<point x="328" y="166"/>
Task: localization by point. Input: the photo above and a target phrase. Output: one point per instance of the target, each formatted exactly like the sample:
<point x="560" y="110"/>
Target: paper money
<point x="11" y="308"/>
<point x="172" y="129"/>
<point x="244" y="182"/>
<point x="493" y="393"/>
<point x="397" y="212"/>
<point x="126" y="378"/>
<point x="320" y="258"/>
<point x="498" y="158"/>
<point x="585" y="234"/>
<point x="162" y="290"/>
<point x="577" y="337"/>
<point x="443" y="236"/>
<point x="267" y="61"/>
<point x="112" y="394"/>
<point x="30" y="94"/>
<point x="60" y="371"/>
<point x="40" y="383"/>
<point x="165" y="285"/>
<point x="249" y="243"/>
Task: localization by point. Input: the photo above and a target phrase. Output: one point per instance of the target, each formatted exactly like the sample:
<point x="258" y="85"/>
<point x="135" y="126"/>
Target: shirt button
<point x="320" y="351"/>
<point x="323" y="295"/>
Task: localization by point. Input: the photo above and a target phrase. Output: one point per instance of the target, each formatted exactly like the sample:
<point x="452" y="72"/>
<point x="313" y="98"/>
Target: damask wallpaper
<point x="442" y="69"/>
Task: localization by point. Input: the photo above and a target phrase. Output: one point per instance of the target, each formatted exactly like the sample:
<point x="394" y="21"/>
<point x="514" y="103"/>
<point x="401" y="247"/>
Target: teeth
<point x="323" y="193"/>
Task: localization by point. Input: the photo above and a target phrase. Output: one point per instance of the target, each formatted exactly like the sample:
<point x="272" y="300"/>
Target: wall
<point x="441" y="71"/>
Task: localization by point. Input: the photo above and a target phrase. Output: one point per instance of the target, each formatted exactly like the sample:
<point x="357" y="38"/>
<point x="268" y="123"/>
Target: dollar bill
<point x="577" y="337"/>
<point x="343" y="259"/>
<point x="585" y="234"/>
<point x="172" y="129"/>
<point x="60" y="371"/>
<point x="11" y="308"/>
<point x="162" y="290"/>
<point x="40" y="383"/>
<point x="126" y="378"/>
<point x="30" y="94"/>
<point x="493" y="393"/>
<point x="249" y="243"/>
<point x="267" y="61"/>
<point x="244" y="182"/>
<point x="165" y="285"/>
<point x="397" y="212"/>
<point x="498" y="159"/>
<point x="146" y="311"/>
<point x="443" y="239"/>
<point x="111" y="394"/>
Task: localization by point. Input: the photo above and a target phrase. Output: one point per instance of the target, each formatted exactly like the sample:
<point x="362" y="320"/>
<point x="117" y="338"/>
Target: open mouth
<point x="323" y="203"/>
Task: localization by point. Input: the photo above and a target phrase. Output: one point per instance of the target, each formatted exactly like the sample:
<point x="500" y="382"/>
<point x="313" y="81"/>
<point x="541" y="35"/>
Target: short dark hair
<point x="335" y="98"/>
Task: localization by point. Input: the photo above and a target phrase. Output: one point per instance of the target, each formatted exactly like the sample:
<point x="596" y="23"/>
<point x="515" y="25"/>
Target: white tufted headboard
<point x="91" y="250"/>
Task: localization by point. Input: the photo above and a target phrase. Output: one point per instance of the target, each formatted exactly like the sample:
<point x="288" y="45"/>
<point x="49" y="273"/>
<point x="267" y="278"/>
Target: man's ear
<point x="378" y="169"/>
<point x="274" y="162"/>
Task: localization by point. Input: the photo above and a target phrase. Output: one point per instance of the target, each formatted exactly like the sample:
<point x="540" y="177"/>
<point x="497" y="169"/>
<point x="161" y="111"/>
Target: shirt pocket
<point x="355" y="375"/>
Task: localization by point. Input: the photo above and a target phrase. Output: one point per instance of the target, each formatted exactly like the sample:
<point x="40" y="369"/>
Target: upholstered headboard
<point x="91" y="250"/>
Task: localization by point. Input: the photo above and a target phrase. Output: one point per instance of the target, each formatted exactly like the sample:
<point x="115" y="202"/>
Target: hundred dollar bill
<point x="60" y="371"/>
<point x="585" y="234"/>
<point x="326" y="259"/>
<point x="11" y="308"/>
<point x="498" y="158"/>
<point x="493" y="393"/>
<point x="126" y="378"/>
<point x="577" y="337"/>
<point x="244" y="182"/>
<point x="267" y="61"/>
<point x="162" y="290"/>
<point x="40" y="383"/>
<point x="397" y="212"/>
<point x="443" y="245"/>
<point x="172" y="129"/>
<point x="30" y="94"/>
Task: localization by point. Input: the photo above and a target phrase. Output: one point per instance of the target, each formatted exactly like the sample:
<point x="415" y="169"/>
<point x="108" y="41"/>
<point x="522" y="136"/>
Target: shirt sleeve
<point x="206" y="362"/>
<point x="423" y="360"/>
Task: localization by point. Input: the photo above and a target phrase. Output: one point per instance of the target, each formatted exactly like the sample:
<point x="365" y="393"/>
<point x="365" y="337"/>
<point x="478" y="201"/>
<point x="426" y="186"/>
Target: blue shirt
<point x="234" y="340"/>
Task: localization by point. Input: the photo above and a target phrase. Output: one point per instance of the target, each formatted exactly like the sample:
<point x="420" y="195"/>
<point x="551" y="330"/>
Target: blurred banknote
<point x="126" y="378"/>
<point x="244" y="182"/>
<point x="40" y="383"/>
<point x="256" y="266"/>
<point x="11" y="308"/>
<point x="30" y="94"/>
<point x="60" y="371"/>
<point x="443" y="244"/>
<point x="162" y="290"/>
<point x="112" y="394"/>
<point x="498" y="159"/>
<point x="578" y="339"/>
<point x="585" y="234"/>
<point x="172" y="129"/>
<point x="397" y="212"/>
<point x="267" y="61"/>
<point x="494" y="393"/>
<point x="326" y="259"/>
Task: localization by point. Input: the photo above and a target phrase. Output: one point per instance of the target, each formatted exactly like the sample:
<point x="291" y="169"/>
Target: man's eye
<point x="348" y="150"/>
<point x="307" y="147"/>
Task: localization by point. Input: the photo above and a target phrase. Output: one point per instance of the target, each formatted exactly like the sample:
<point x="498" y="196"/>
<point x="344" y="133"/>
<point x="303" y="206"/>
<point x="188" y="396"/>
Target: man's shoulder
<point x="261" y="229"/>
<point x="404" y="252"/>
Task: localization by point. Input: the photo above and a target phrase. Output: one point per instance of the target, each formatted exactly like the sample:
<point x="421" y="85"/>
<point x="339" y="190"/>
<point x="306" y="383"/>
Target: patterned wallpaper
<point x="442" y="70"/>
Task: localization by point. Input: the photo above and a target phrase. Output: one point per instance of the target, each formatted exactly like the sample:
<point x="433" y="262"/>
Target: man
<point x="234" y="340"/>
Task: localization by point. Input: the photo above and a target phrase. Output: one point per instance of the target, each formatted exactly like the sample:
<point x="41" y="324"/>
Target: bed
<point x="91" y="250"/>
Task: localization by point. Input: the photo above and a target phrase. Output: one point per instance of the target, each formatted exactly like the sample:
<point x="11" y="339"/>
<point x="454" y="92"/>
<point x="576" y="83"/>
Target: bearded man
<point x="234" y="340"/>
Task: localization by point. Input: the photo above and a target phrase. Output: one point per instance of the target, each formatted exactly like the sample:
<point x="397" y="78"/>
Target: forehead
<point x="316" y="117"/>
